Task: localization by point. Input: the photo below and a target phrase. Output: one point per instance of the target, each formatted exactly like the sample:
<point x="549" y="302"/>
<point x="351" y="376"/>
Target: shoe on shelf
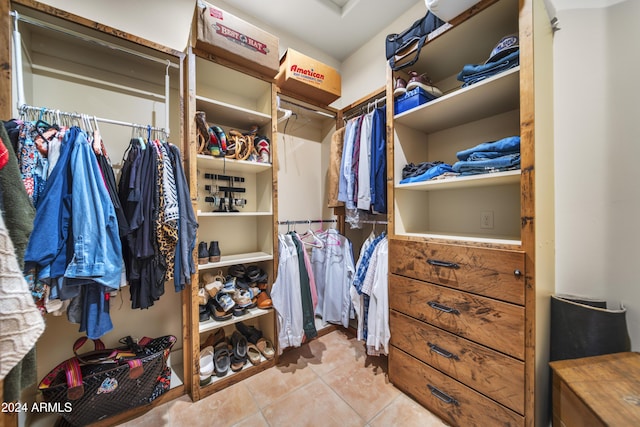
<point x="237" y="270"/>
<point x="251" y="333"/>
<point x="262" y="145"/>
<point x="399" y="87"/>
<point x="423" y="82"/>
<point x="212" y="288"/>
<point x="214" y="252"/>
<point x="242" y="298"/>
<point x="264" y="301"/>
<point x="253" y="354"/>
<point x="222" y="359"/>
<point x="203" y="312"/>
<point x="229" y="285"/>
<point x="220" y="307"/>
<point x="266" y="348"/>
<point x="202" y="296"/>
<point x="203" y="253"/>
<point x="213" y="339"/>
<point x="206" y="365"/>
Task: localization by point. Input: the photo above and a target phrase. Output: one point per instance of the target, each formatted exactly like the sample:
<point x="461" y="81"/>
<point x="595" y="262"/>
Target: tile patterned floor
<point x="328" y="382"/>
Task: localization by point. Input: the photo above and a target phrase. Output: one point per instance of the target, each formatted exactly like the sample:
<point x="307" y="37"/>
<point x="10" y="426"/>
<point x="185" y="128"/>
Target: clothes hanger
<point x="317" y="243"/>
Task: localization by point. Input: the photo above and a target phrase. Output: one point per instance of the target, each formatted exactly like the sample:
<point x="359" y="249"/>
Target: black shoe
<point x="214" y="252"/>
<point x="203" y="253"/>
<point x="251" y="333"/>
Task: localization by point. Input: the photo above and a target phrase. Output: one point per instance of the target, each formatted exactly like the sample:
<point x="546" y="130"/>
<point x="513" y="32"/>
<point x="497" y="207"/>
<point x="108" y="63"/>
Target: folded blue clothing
<point x="437" y="170"/>
<point x="482" y="155"/>
<point x="478" y="172"/>
<point x="505" y="145"/>
<point x="471" y="70"/>
<point x="487" y="165"/>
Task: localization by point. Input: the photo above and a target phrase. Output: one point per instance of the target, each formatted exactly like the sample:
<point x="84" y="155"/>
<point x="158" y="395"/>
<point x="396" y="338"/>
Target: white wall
<point x="596" y="128"/>
<point x="166" y="22"/>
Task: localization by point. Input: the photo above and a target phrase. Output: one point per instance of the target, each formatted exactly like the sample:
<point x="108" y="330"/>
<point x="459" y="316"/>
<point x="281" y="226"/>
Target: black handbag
<point x="92" y="386"/>
<point x="403" y="49"/>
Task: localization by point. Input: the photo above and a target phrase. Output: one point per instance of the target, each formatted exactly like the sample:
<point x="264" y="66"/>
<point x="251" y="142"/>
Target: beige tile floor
<point x="327" y="382"/>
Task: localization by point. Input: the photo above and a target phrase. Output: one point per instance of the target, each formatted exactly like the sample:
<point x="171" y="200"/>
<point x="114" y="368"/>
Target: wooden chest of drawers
<point x="458" y="330"/>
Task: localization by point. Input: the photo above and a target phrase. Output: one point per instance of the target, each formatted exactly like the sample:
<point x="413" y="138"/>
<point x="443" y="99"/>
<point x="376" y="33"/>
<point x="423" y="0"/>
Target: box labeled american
<point x="302" y="75"/>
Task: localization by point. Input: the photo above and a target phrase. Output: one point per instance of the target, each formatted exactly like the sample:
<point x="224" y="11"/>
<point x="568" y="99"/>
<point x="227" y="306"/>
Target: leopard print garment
<point x="166" y="232"/>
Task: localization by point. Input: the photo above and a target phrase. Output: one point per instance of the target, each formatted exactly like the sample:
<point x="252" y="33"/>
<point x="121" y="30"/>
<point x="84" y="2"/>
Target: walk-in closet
<point x="231" y="213"/>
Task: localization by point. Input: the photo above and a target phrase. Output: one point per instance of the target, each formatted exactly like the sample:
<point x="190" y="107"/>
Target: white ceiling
<point x="336" y="27"/>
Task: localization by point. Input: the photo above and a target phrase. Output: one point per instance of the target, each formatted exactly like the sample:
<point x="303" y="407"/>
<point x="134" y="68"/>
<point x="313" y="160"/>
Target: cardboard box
<point x="236" y="40"/>
<point x="305" y="76"/>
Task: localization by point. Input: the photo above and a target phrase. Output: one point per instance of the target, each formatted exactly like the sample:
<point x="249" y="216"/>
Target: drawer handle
<point x="442" y="396"/>
<point x="517" y="273"/>
<point x="442" y="352"/>
<point x="438" y="263"/>
<point x="437" y="306"/>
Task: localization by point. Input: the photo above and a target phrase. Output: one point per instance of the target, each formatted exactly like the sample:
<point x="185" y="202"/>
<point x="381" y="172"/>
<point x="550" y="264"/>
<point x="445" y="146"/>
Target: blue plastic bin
<point x="411" y="99"/>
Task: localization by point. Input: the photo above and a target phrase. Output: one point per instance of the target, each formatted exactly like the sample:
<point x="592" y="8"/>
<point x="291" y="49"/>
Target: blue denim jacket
<point x="97" y="251"/>
<point x="76" y="194"/>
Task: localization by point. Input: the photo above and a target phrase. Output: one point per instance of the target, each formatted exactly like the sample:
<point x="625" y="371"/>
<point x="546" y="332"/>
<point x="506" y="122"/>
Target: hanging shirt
<point x="333" y="270"/>
<point x="376" y="286"/>
<point x="347" y="159"/>
<point x="364" y="164"/>
<point x="286" y="295"/>
<point x="379" y="161"/>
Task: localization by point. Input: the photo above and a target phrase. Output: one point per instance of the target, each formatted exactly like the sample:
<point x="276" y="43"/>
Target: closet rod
<point x="306" y="221"/>
<point x="87" y="38"/>
<point x="99" y="119"/>
<point x="362" y="106"/>
<point x="322" y="113"/>
<point x="373" y="222"/>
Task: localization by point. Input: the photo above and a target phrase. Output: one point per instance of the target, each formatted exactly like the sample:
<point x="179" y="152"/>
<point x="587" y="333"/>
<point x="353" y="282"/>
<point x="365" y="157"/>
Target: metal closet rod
<point x="87" y="38"/>
<point x="306" y="221"/>
<point x="358" y="110"/>
<point x="49" y="111"/>
<point x="304" y="107"/>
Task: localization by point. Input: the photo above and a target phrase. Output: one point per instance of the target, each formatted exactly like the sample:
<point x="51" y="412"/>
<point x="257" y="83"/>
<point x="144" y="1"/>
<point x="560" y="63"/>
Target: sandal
<point x="206" y="365"/>
<point x="202" y="296"/>
<point x="213" y="288"/>
<point x="203" y="313"/>
<point x="266" y="348"/>
<point x="253" y="354"/>
<point x="214" y="339"/>
<point x="238" y="270"/>
<point x="222" y="359"/>
<point x="220" y="306"/>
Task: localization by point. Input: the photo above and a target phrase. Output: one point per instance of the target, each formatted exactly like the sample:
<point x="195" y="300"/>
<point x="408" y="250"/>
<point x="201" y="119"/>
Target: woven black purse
<point x="96" y="385"/>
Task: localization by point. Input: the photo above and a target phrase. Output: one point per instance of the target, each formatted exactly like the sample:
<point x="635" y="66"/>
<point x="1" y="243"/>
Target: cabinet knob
<point x="517" y="273"/>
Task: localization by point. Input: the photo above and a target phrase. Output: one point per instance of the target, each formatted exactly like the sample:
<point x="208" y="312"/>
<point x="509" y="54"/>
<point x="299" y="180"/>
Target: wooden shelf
<point x="497" y="94"/>
<point x="244" y="258"/>
<point x="499" y="241"/>
<point x="482" y="180"/>
<point x="212" y="324"/>
<point x="228" y="115"/>
<point x="230" y="165"/>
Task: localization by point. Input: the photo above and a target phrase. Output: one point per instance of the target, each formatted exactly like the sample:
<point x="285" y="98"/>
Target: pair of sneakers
<point x="401" y="86"/>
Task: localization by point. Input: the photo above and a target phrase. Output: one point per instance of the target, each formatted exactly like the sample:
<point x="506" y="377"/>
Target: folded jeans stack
<point x="424" y="171"/>
<point x="495" y="156"/>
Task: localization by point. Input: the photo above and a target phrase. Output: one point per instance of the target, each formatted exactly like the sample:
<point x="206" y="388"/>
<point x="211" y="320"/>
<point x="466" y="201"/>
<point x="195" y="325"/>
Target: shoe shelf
<point x="231" y="115"/>
<point x="245" y="258"/>
<point x="480" y="180"/>
<point x="212" y="324"/>
<point x="495" y="95"/>
<point x="231" y="165"/>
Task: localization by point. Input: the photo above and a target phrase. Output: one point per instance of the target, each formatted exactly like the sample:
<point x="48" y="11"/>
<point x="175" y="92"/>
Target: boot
<point x="203" y="253"/>
<point x="214" y="252"/>
<point x="582" y="327"/>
